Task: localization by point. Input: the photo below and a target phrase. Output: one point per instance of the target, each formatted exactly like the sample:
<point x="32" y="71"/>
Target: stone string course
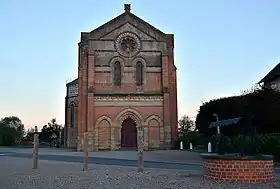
<point x="128" y="98"/>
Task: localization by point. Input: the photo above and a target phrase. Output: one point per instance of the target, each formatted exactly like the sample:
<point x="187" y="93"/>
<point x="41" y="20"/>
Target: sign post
<point x="35" y="150"/>
<point x="85" y="148"/>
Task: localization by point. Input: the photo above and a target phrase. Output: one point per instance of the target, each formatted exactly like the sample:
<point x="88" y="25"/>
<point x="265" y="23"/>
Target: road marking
<point x="2" y="154"/>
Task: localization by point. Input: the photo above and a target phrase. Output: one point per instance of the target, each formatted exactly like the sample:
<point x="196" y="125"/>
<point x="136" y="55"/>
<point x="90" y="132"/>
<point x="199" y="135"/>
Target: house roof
<point x="272" y="75"/>
<point x="75" y="81"/>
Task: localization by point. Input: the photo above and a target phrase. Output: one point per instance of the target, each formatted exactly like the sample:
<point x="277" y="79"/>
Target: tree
<point x="185" y="124"/>
<point x="51" y="128"/>
<point x="31" y="130"/>
<point x="29" y="134"/>
<point x="11" y="130"/>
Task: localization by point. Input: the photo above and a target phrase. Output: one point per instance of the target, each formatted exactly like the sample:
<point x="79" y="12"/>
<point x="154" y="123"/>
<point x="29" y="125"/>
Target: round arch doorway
<point x="128" y="134"/>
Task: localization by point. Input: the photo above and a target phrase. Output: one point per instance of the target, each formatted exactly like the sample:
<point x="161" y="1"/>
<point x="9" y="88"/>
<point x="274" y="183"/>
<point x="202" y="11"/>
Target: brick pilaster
<point x="172" y="89"/>
<point x="166" y="100"/>
<point x="90" y="100"/>
<point x="82" y="95"/>
<point x="113" y="138"/>
<point x="175" y="103"/>
<point x="84" y="91"/>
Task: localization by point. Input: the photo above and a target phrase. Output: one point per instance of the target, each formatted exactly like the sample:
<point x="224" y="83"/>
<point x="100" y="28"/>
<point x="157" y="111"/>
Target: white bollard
<point x="191" y="147"/>
<point x="181" y="145"/>
<point x="209" y="147"/>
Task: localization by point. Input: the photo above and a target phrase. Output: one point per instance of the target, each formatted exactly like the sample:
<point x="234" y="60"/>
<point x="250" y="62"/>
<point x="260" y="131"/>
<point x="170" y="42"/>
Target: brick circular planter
<point x="236" y="168"/>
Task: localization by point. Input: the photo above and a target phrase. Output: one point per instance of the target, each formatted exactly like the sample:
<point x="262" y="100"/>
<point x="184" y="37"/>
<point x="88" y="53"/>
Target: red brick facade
<point x="104" y="106"/>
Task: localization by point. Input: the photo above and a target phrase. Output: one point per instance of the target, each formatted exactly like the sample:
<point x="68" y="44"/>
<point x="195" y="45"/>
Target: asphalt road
<point x="108" y="161"/>
<point x="112" y="161"/>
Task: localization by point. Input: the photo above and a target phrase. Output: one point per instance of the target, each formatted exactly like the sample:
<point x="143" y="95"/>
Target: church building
<point x="126" y="84"/>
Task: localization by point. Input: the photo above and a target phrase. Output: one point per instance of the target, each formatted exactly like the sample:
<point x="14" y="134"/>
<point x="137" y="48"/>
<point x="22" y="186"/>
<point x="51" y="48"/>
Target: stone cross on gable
<point x="127" y="7"/>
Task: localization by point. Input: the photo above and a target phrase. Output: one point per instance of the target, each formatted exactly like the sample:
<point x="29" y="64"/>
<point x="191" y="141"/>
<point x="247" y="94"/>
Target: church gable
<point x="128" y="21"/>
<point x="124" y="28"/>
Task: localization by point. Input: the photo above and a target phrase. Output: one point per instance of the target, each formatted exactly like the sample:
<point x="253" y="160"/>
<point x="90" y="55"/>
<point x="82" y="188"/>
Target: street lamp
<point x="217" y="119"/>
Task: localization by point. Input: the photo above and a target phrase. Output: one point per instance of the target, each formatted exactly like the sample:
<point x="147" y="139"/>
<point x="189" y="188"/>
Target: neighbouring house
<point x="126" y="88"/>
<point x="272" y="79"/>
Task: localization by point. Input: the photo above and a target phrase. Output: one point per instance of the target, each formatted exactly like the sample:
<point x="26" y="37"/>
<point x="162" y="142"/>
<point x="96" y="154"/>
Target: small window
<point x="117" y="74"/>
<point x="139" y="73"/>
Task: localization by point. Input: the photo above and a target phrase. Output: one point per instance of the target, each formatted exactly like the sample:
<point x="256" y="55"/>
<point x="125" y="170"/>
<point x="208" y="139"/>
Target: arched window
<point x="139" y="73"/>
<point x="72" y="115"/>
<point x="117" y="73"/>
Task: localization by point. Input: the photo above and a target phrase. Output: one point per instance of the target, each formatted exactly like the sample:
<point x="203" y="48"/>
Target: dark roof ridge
<point x="273" y="74"/>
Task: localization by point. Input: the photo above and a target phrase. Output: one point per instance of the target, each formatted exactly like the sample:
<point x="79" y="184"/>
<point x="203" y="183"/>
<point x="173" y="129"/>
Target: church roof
<point x="126" y="17"/>
<point x="272" y="75"/>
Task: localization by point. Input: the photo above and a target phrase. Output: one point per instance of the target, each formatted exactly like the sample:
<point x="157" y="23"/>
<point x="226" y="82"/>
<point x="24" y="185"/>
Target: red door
<point x="128" y="134"/>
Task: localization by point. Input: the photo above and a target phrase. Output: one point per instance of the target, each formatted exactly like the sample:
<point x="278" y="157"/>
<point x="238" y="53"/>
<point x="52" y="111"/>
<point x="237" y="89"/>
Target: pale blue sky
<point x="221" y="48"/>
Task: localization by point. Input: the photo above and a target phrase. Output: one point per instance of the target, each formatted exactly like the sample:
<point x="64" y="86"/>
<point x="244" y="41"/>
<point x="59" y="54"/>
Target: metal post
<point x="140" y="150"/>
<point x="35" y="151"/>
<point x="85" y="148"/>
<point x="218" y="129"/>
<point x="217" y="119"/>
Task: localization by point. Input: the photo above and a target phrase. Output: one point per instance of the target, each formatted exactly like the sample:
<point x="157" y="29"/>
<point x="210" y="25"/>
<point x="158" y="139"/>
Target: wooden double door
<point x="128" y="134"/>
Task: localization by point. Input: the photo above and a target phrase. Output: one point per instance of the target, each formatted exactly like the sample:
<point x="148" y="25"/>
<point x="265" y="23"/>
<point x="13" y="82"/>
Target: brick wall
<point x="152" y="83"/>
<point x="247" y="171"/>
<point x="70" y="130"/>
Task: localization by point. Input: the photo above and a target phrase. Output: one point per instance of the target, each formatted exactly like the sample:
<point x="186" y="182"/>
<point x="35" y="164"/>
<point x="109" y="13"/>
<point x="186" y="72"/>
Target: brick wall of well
<point x="246" y="171"/>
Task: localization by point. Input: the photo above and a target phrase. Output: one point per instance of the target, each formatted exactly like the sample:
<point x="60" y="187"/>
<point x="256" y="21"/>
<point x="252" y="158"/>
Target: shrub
<point x="256" y="144"/>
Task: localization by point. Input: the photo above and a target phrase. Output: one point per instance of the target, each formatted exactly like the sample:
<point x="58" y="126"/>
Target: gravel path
<point x="16" y="173"/>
